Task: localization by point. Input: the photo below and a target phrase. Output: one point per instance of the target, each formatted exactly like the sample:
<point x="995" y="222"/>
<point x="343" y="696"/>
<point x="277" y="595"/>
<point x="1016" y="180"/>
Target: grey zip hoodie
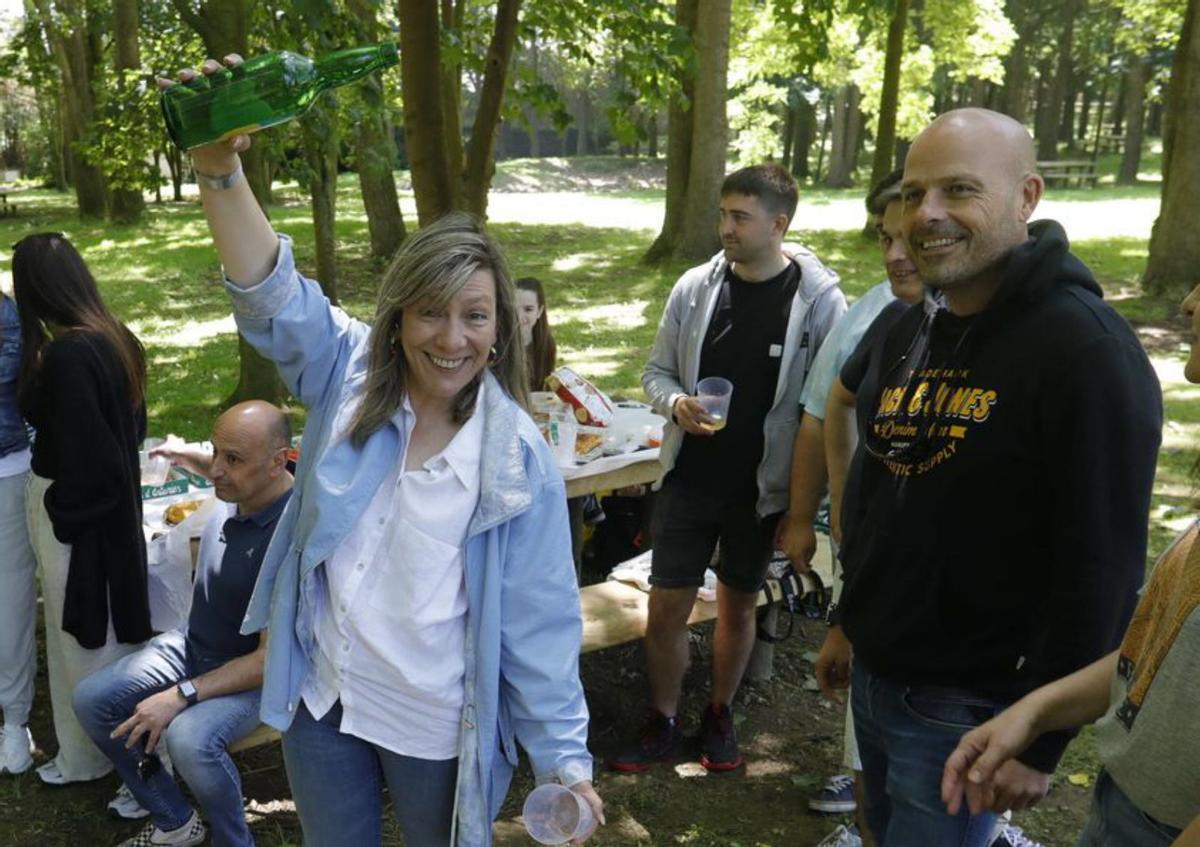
<point x="674" y="364"/>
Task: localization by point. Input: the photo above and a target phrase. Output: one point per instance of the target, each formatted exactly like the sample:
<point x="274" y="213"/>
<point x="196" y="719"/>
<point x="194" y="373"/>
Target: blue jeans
<point x="1115" y="822"/>
<point x="197" y="740"/>
<point x="337" y="783"/>
<point x="905" y="735"/>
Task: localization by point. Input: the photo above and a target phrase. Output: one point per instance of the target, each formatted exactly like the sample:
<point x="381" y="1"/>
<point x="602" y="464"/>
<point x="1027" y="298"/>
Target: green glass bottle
<point x="264" y="91"/>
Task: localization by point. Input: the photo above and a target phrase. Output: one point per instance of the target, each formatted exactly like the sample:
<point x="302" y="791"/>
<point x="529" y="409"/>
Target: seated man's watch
<point x="187" y="690"/>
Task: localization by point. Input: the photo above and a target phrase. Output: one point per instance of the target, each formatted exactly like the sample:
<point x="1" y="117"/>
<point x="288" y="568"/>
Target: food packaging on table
<point x="592" y="407"/>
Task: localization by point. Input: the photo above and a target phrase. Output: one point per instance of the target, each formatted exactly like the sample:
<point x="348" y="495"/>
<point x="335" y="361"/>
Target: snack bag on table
<point x="591" y="406"/>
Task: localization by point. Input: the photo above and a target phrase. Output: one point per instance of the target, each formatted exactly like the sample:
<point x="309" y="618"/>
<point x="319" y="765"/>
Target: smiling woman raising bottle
<point x="419" y="589"/>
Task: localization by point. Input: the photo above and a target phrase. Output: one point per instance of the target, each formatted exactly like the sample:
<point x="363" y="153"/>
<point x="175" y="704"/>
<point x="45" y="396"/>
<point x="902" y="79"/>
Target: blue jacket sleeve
<point x="289" y="320"/>
<point x="541" y="635"/>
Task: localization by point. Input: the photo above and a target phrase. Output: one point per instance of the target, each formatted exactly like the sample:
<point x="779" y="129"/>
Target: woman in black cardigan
<point x="83" y="377"/>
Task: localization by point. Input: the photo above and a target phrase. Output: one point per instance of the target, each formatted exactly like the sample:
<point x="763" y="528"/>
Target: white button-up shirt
<point x="392" y="627"/>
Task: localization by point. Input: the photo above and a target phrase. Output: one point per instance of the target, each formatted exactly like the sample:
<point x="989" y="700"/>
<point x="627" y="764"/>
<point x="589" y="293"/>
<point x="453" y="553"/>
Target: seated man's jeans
<point x="337" y="782"/>
<point x="905" y="735"/>
<point x="1115" y="821"/>
<point x="197" y="740"/>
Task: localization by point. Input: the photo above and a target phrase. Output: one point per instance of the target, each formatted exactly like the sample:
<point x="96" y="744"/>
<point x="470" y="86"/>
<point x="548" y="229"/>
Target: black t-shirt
<point x="744" y="344"/>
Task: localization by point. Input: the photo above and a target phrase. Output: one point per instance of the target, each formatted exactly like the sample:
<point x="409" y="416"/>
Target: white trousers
<point x="18" y="604"/>
<point x="66" y="662"/>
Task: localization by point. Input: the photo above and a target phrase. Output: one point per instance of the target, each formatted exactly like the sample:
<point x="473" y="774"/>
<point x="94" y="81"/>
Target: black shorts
<point x="686" y="528"/>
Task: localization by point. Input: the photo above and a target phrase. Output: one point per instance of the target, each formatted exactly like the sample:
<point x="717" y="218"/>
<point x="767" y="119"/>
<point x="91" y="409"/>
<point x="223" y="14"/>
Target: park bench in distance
<point x="613" y="613"/>
<point x="1081" y="171"/>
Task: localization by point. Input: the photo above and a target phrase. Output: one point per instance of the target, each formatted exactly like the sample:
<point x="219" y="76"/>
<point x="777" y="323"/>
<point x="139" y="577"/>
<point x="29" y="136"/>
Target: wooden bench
<point x="1081" y="171"/>
<point x="613" y="613"/>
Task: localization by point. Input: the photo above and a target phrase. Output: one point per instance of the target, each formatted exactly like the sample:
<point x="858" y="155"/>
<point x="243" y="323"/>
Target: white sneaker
<point x="126" y="806"/>
<point x="50" y="774"/>
<point x="16" y="750"/>
<point x="841" y="837"/>
<point x="190" y="834"/>
<point x="1013" y="836"/>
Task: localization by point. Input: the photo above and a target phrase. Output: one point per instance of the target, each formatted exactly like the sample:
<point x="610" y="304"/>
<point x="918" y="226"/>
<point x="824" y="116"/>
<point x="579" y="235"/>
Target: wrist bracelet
<point x="219" y="183"/>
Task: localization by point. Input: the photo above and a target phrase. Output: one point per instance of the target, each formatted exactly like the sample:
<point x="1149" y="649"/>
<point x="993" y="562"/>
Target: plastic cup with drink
<point x="554" y="814"/>
<point x="714" y="394"/>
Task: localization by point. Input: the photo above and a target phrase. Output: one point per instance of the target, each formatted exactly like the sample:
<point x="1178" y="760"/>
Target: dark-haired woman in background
<point x="540" y="349"/>
<point x="82" y="387"/>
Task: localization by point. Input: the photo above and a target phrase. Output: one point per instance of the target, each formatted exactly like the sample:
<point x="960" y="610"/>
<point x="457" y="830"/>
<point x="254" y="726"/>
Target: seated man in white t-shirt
<point x="196" y="691"/>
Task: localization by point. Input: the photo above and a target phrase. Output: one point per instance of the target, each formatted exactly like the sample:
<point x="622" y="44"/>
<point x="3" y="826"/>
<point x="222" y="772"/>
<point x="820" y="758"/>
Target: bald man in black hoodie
<point x="995" y="516"/>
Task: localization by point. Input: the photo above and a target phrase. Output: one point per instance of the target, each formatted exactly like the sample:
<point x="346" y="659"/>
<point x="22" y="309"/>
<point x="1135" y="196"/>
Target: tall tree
<point x="1135" y="99"/>
<point x="127" y="203"/>
<point x="1174" y="248"/>
<point x="679" y="140"/>
<point x="76" y="49"/>
<point x="375" y="149"/>
<point x="440" y="184"/>
<point x="1049" y="115"/>
<point x="885" y="136"/>
<point x="698" y="237"/>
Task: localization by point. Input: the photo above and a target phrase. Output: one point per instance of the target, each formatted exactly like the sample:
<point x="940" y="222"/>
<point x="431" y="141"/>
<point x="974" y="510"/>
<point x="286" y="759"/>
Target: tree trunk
<point x="1085" y="112"/>
<point x="1154" y="123"/>
<point x="481" y="164"/>
<point x="1066" y="127"/>
<point x="1174" y="248"/>
<point x="321" y="153"/>
<point x="375" y="151"/>
<point x="652" y="135"/>
<point x="127" y="203"/>
<point x="844" y="147"/>
<point x="1119" y="112"/>
<point x="175" y="163"/>
<point x="451" y="86"/>
<point x="885" y="137"/>
<point x="698" y="237"/>
<point x="1050" y="117"/>
<point x="65" y="27"/>
<point x="1016" y="66"/>
<point x="679" y="144"/>
<point x="826" y="129"/>
<point x="583" y="145"/>
<point x="1135" y="97"/>
<point x="221" y="25"/>
<point x="789" y="135"/>
<point x="434" y="186"/>
<point x="806" y="117"/>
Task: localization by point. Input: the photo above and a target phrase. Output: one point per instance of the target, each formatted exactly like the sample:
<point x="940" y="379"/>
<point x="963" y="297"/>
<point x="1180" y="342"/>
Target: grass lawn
<point x="162" y="278"/>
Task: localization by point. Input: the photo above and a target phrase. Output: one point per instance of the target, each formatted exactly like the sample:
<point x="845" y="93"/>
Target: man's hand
<point x="983" y="766"/>
<point x="689" y="413"/>
<point x="194" y="459"/>
<point x="798" y="541"/>
<point x="150" y="718"/>
<point x="1018" y="786"/>
<point x="587" y="792"/>
<point x="833" y="665"/>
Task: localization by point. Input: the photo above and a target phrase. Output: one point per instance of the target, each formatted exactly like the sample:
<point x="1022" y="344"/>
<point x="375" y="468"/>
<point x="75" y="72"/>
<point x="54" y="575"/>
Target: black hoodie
<point x="995" y="520"/>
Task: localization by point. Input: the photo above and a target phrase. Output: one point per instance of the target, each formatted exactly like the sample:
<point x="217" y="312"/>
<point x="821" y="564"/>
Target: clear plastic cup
<point x="154" y="469"/>
<point x="562" y="433"/>
<point x="714" y="394"/>
<point x="554" y="814"/>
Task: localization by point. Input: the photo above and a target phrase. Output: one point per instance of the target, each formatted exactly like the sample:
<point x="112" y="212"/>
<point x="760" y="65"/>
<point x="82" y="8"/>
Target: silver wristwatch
<point x="187" y="690"/>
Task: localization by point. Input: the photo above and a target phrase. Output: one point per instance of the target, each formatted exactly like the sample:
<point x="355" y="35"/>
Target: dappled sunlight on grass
<point x="628" y="315"/>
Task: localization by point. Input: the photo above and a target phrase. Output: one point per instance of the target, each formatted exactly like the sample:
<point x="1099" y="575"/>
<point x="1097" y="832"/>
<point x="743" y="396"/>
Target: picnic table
<point x="1081" y="171"/>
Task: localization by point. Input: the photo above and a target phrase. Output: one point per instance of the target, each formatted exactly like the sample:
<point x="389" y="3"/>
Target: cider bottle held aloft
<point x="264" y="91"/>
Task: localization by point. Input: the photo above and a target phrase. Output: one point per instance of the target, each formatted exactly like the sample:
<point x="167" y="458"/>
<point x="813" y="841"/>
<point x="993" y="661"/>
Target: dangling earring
<point x="493" y="356"/>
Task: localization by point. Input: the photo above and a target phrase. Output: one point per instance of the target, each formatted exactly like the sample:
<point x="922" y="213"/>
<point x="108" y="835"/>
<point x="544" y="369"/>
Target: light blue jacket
<point x="523" y="619"/>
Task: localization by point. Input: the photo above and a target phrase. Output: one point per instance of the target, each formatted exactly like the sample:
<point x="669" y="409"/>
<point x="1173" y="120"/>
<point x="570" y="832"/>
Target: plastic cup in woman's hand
<point x="554" y="814"/>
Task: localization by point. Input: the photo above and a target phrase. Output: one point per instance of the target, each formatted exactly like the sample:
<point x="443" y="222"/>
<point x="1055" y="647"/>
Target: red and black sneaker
<point x="718" y="740"/>
<point x="661" y="741"/>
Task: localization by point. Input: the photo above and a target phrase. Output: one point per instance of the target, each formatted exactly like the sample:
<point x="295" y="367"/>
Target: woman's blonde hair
<point x="430" y="268"/>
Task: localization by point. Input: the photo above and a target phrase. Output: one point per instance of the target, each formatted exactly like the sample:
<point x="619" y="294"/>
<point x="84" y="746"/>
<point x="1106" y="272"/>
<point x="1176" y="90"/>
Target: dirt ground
<point x="791" y="737"/>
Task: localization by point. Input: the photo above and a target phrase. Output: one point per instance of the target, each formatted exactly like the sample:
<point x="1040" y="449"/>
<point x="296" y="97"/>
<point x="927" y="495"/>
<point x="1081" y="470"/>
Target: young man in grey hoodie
<point x="756" y="315"/>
